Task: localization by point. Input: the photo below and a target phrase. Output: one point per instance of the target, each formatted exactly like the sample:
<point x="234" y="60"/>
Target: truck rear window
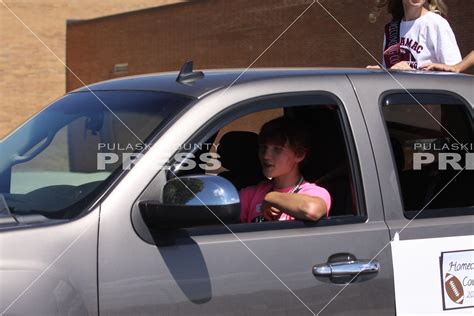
<point x="432" y="144"/>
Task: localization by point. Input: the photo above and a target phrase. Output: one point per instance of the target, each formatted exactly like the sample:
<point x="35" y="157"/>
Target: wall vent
<point x="120" y="68"/>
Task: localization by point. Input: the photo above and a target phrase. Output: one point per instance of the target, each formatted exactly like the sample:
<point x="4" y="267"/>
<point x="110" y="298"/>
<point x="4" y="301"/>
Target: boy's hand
<point x="270" y="213"/>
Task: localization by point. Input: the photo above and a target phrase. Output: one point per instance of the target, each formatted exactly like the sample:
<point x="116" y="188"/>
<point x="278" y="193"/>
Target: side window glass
<point x="236" y="146"/>
<point x="432" y="143"/>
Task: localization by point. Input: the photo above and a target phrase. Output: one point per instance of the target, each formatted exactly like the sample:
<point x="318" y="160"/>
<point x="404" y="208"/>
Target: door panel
<point x="50" y="270"/>
<point x="217" y="274"/>
<point x="418" y="256"/>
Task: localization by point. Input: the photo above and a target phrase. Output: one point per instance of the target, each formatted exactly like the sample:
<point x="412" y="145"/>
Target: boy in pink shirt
<point x="284" y="144"/>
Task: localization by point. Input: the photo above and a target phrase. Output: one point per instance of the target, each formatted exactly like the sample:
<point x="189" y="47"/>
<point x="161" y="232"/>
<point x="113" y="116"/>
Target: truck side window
<point x="233" y="136"/>
<point x="431" y="136"/>
<point x="328" y="164"/>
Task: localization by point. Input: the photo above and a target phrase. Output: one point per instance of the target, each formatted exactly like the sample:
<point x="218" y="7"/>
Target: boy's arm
<point x="300" y="206"/>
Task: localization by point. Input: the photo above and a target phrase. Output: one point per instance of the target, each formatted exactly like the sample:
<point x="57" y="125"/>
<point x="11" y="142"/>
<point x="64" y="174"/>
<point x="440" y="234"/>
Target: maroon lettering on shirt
<point x="407" y="42"/>
<point x="412" y="44"/>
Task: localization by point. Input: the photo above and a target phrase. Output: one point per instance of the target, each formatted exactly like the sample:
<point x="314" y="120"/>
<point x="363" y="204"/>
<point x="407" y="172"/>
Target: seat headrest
<point x="239" y="149"/>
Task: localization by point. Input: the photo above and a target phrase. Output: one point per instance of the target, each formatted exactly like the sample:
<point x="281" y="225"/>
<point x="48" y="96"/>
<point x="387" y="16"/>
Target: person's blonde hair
<point x="437" y="6"/>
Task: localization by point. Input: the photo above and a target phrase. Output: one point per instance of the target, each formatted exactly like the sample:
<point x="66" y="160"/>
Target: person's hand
<point x="462" y="66"/>
<point x="373" y="67"/>
<point x="403" y="65"/>
<point x="270" y="213"/>
<point x="440" y="67"/>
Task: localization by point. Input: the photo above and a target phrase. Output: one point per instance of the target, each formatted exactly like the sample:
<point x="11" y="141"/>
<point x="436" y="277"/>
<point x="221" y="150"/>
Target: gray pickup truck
<point x="122" y="197"/>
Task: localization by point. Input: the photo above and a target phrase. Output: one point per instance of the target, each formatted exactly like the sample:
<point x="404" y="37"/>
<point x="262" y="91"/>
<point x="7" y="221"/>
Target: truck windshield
<point x="55" y="164"/>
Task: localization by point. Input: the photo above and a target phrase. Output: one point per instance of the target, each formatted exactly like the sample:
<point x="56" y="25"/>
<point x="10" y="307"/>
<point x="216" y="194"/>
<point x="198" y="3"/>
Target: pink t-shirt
<point x="251" y="199"/>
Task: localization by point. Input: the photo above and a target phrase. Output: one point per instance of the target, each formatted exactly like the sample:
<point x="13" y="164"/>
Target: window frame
<point x="229" y="115"/>
<point x="415" y="96"/>
<point x="94" y="198"/>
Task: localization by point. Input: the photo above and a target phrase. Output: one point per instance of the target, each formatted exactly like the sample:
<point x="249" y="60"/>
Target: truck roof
<point x="215" y="79"/>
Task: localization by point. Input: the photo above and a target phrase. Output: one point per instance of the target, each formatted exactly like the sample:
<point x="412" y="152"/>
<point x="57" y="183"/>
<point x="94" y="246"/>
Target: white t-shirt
<point x="428" y="39"/>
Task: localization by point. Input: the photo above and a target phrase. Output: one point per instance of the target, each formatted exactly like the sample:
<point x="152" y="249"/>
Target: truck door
<point x="254" y="268"/>
<point x="423" y="144"/>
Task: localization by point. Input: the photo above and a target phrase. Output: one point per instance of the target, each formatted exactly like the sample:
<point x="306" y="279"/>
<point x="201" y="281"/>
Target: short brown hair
<point x="283" y="130"/>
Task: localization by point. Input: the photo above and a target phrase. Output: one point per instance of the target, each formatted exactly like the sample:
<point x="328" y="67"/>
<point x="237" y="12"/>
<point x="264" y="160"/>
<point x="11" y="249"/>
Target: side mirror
<point x="193" y="201"/>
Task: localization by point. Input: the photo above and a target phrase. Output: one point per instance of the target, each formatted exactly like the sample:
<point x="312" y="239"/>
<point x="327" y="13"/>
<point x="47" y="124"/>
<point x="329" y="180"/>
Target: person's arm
<point x="300" y="206"/>
<point x="464" y="65"/>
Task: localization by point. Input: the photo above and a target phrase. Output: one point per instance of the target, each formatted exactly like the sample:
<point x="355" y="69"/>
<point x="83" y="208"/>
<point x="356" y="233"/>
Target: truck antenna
<point x="187" y="76"/>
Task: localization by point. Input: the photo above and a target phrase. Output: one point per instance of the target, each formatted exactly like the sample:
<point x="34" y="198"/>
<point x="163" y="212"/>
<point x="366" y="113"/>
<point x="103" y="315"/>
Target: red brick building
<point x="229" y="34"/>
<point x="31" y="76"/>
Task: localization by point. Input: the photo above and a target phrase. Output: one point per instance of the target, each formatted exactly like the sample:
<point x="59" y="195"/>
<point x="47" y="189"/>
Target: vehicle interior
<point x="49" y="167"/>
<point x="327" y="164"/>
<point x="416" y="132"/>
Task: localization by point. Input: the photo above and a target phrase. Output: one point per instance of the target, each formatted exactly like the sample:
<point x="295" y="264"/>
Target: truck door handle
<point x="346" y="268"/>
<point x="342" y="267"/>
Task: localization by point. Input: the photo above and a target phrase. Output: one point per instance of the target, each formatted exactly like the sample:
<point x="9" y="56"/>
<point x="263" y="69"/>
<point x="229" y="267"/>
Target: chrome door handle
<point x="346" y="268"/>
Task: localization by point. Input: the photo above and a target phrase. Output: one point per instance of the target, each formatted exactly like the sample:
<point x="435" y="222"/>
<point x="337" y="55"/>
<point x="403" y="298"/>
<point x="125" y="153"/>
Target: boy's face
<point x="278" y="160"/>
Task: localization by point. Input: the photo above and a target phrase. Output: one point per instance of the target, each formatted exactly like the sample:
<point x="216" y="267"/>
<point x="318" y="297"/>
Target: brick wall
<point x="220" y="33"/>
<point x="214" y="33"/>
<point x="30" y="75"/>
